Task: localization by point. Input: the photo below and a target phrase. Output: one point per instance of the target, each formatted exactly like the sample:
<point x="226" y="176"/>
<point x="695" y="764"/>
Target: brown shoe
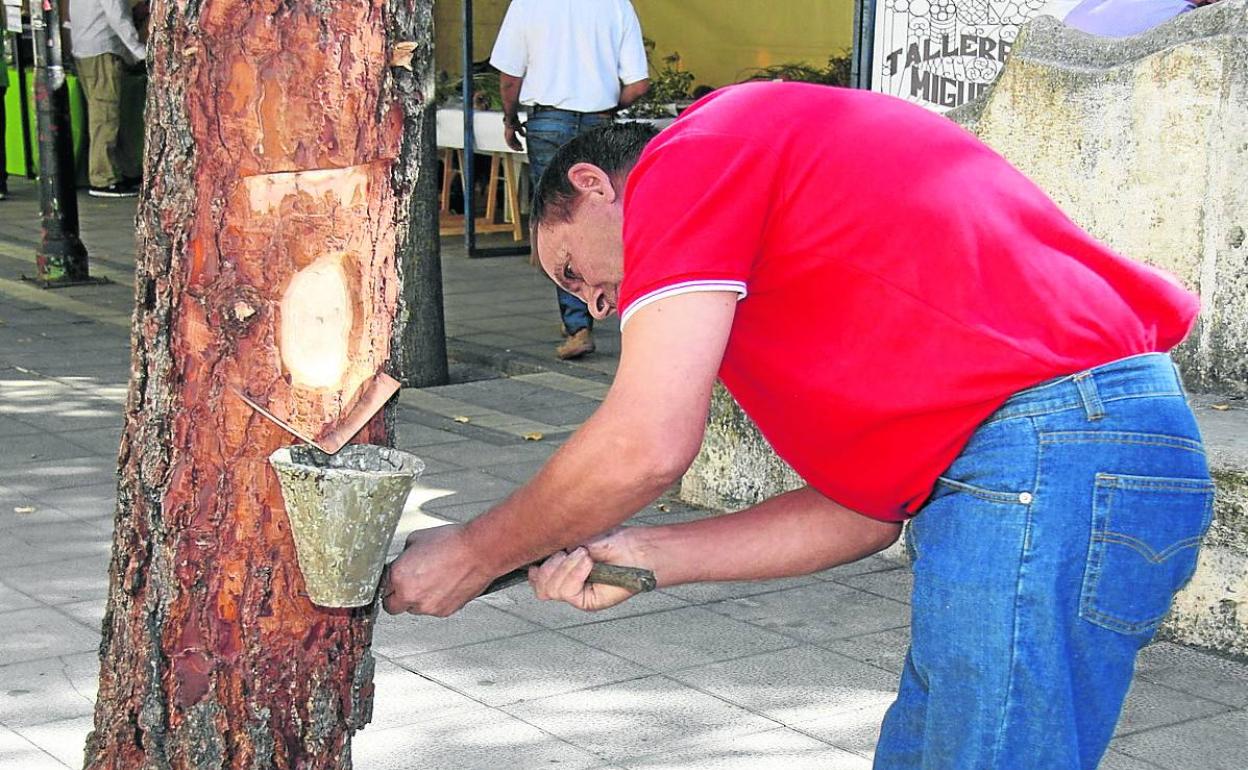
<point x="577" y="345"/>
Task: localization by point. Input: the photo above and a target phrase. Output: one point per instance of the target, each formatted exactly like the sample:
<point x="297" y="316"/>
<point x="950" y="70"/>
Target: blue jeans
<point x="546" y="130"/>
<point x="1044" y="560"/>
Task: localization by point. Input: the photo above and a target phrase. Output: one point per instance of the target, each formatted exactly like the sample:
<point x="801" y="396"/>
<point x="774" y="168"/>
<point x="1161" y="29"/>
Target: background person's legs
<point x="101" y="85"/>
<point x="1029" y="602"/>
<point x="131" y="98"/>
<point x="545" y="132"/>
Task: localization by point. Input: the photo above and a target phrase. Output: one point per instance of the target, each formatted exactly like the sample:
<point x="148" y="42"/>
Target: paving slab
<point x="62" y="582"/>
<point x="817" y="612"/>
<point x="676" y="639"/>
<point x="1197" y="673"/>
<point x="66" y="739"/>
<point x="41" y="448"/>
<point x="42" y="632"/>
<point x="89" y="612"/>
<point x="893" y="584"/>
<point x="780" y="749"/>
<point x="53" y="539"/>
<point x="796" y="685"/>
<point x="462" y="512"/>
<point x="17" y="753"/>
<point x="1116" y="760"/>
<point x="1216" y="743"/>
<point x="11" y="427"/>
<point x="706" y="593"/>
<point x="464" y="486"/>
<point x="396" y="636"/>
<point x="882" y="649"/>
<point x="31" y="479"/>
<point x="623" y="721"/>
<point x="1150" y="706"/>
<point x="403" y="698"/>
<point x="854" y="731"/>
<point x="482" y="456"/>
<point x="519" y="472"/>
<point x="17" y="512"/>
<point x="12" y="599"/>
<point x="413" y="436"/>
<point x="95" y="502"/>
<point x="520" y="668"/>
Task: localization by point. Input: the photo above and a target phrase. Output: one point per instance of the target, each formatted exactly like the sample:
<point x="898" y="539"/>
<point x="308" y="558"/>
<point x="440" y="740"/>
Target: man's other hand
<point x="436" y="574"/>
<point x="512" y="133"/>
<point x="562" y="576"/>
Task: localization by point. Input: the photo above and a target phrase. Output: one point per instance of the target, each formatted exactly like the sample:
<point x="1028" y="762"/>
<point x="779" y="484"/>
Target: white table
<point x="505" y="166"/>
<point x="487" y="130"/>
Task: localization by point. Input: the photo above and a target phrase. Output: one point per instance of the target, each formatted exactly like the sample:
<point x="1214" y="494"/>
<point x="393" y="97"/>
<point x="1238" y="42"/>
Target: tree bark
<point x="285" y="140"/>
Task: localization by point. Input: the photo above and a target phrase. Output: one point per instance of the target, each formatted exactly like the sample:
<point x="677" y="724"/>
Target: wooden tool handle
<point x="633" y="578"/>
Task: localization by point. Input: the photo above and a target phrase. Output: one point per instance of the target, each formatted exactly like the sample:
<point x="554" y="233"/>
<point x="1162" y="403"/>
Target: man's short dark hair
<point x="613" y="147"/>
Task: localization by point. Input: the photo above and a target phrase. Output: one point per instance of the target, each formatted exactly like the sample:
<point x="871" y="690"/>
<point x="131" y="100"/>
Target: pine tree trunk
<point x="285" y="139"/>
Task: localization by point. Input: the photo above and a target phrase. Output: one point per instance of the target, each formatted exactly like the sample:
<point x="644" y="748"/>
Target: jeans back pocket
<point x="1146" y="534"/>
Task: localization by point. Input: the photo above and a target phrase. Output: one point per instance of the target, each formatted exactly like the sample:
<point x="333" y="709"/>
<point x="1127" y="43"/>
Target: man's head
<point x="578" y="212"/>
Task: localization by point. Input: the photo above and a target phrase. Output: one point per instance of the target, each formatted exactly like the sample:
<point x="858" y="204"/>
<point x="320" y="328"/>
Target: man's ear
<point x="586" y="178"/>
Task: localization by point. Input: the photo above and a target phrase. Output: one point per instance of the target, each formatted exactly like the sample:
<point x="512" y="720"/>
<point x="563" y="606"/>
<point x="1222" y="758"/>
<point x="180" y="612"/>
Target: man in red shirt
<point x="921" y="333"/>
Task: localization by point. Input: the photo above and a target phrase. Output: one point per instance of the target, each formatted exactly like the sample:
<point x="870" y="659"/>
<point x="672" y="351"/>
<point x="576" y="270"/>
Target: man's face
<point x="585" y="255"/>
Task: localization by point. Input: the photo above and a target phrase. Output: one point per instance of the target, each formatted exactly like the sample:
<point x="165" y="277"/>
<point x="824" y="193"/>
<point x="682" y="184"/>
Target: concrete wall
<point x="1144" y="142"/>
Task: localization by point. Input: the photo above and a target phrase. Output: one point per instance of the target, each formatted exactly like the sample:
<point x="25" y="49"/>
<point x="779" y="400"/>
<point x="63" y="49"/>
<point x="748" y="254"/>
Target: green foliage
<point x="485" y="95"/>
<point x="835" y="73"/>
<point x="669" y="84"/>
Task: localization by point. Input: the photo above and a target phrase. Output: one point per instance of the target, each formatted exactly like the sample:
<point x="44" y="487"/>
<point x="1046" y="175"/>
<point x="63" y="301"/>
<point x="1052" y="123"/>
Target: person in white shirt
<point x="572" y="64"/>
<point x="104" y="40"/>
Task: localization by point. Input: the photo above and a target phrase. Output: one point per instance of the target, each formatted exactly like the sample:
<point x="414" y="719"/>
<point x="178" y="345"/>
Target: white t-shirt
<point x="572" y="54"/>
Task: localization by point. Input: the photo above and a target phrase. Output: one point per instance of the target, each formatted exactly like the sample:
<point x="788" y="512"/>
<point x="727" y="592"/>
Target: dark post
<point x="863" y="44"/>
<point x="61" y="258"/>
<point x="465" y="173"/>
<point x="470" y="144"/>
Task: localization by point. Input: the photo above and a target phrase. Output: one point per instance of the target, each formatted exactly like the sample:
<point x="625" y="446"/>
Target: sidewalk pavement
<point x="786" y="674"/>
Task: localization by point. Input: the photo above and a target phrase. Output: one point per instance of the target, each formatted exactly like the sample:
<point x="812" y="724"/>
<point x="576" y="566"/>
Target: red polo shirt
<point x="899" y="279"/>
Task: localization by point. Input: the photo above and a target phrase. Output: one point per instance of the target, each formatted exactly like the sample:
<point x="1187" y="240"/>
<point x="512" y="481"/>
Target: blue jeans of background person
<point x="1046" y="557"/>
<point x="546" y="130"/>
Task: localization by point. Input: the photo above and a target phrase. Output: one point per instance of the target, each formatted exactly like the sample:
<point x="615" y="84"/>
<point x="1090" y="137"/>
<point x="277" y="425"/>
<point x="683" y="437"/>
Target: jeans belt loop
<point x="1091" y="399"/>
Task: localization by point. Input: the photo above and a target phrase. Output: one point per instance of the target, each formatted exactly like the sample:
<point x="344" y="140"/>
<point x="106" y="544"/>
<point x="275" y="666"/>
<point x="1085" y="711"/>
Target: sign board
<point x="942" y="53"/>
<point x="13" y="16"/>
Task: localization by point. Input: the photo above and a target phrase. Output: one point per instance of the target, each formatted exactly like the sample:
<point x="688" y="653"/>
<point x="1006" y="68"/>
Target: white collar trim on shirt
<point x="684" y="287"/>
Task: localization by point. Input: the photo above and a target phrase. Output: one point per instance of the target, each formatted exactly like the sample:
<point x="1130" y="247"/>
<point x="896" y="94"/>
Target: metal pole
<point x="470" y="218"/>
<point x="61" y="259"/>
<point x="855" y="53"/>
<point x="470" y="213"/>
<point x="863" y="44"/>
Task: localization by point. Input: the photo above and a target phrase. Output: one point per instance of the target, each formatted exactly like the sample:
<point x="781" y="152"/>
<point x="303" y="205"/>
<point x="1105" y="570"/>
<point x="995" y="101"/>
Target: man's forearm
<point x="509" y="92"/>
<point x="632" y="92"/>
<point x="604" y="474"/>
<point x="791" y="534"/>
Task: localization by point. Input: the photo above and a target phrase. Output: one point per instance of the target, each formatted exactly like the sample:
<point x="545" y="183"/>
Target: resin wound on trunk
<point x="315" y="324"/>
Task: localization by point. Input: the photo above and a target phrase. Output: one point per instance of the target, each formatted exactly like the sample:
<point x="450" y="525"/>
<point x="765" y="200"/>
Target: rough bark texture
<point x="284" y="142"/>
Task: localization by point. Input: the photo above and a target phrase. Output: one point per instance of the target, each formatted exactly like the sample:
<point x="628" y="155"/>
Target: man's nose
<point x="599" y="307"/>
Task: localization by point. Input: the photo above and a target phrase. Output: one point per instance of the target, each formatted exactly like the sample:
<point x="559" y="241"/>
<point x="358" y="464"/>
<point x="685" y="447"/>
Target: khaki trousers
<point x="110" y="158"/>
